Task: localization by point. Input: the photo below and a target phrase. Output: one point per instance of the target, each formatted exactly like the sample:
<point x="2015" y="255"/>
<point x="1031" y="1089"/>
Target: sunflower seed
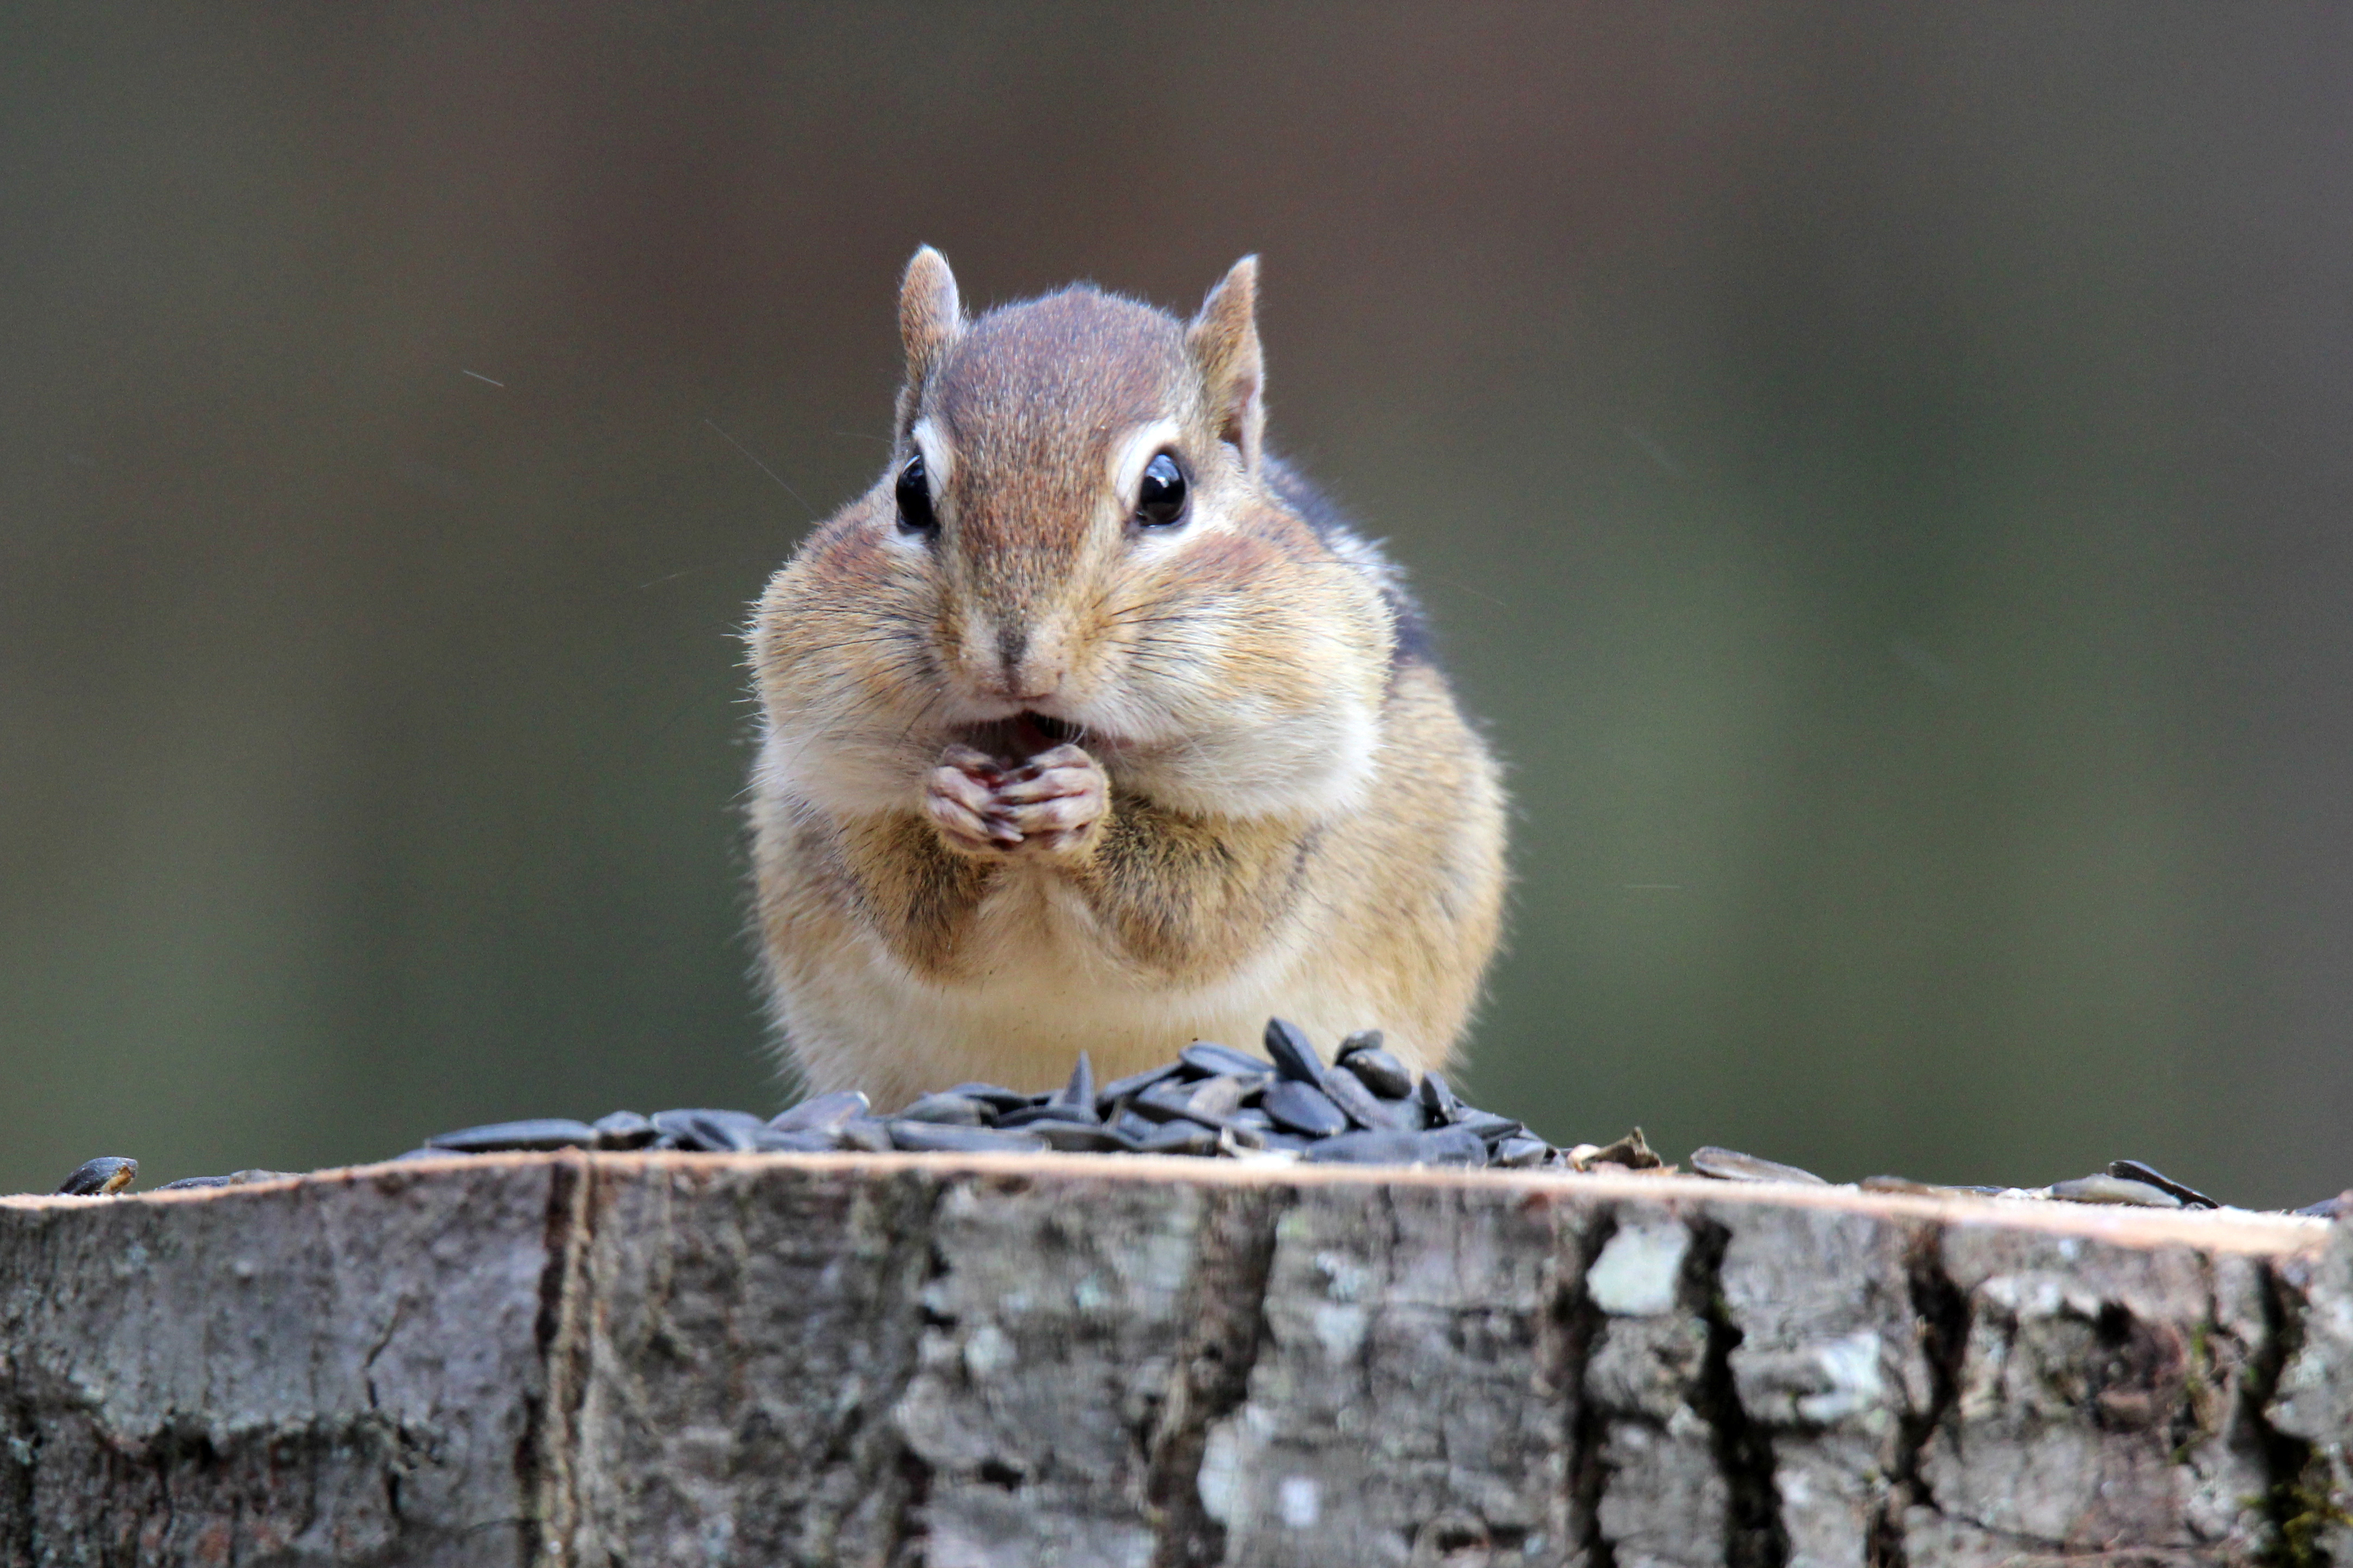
<point x="1084" y="1138"/>
<point x="1135" y="1083"/>
<point x="949" y="1109"/>
<point x="1362" y="1040"/>
<point x="1449" y="1146"/>
<point x="2133" y="1171"/>
<point x="1236" y="1139"/>
<point x="945" y="1137"/>
<point x="624" y="1129"/>
<point x="1409" y="1113"/>
<point x="866" y="1135"/>
<point x="1731" y="1166"/>
<point x="709" y="1131"/>
<point x="826" y="1113"/>
<point x="1081" y="1090"/>
<point x="2106" y="1189"/>
<point x="997" y="1096"/>
<point x="99" y="1178"/>
<point x="500" y="1137"/>
<point x="1387" y="1146"/>
<point x="1298" y="1106"/>
<point x="1381" y="1072"/>
<point x="1488" y="1126"/>
<point x="1294" y="1056"/>
<point x="1438" y="1100"/>
<point x="1903" y="1184"/>
<point x="1171" y="1101"/>
<point x="1036" y="1115"/>
<point x="807" y="1141"/>
<point x="1180" y="1138"/>
<point x="1220" y="1097"/>
<point x="1347" y="1091"/>
<point x="1207" y="1060"/>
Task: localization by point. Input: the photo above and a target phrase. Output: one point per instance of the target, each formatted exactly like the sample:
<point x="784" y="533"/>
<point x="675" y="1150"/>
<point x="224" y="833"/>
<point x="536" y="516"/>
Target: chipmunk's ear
<point x="930" y="315"/>
<point x="1223" y="343"/>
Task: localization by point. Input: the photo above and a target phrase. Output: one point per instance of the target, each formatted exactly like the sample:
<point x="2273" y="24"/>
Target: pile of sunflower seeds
<point x="1365" y="1108"/>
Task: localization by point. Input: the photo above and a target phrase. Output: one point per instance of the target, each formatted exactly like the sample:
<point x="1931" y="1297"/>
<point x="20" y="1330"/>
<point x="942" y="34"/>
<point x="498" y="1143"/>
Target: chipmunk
<point x="1092" y="726"/>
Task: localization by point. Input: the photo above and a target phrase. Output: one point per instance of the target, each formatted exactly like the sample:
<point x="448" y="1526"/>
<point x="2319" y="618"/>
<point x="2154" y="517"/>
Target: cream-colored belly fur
<point x="1050" y="992"/>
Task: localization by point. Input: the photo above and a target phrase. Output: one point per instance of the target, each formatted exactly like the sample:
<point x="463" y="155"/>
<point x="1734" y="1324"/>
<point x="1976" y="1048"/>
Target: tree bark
<point x="984" y="1363"/>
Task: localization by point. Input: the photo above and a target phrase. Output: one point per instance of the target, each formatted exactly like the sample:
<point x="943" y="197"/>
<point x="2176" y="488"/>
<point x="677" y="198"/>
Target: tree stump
<point x="1015" y="1361"/>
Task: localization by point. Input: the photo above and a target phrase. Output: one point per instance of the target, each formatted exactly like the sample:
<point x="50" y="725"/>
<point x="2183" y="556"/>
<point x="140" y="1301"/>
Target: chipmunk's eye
<point x="914" y="491"/>
<point x="1160" y="502"/>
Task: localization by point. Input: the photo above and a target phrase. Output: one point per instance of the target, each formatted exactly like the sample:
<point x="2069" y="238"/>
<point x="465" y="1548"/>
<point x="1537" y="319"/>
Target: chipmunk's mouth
<point x="1055" y="730"/>
<point x="1022" y="736"/>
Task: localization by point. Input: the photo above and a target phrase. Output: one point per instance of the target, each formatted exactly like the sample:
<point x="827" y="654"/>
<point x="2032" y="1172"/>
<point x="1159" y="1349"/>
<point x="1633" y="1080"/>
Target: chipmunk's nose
<point x="1032" y="669"/>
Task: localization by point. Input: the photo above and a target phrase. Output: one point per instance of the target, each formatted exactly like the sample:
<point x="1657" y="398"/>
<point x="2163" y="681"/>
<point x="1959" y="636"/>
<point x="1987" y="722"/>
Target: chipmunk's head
<point x="1055" y="458"/>
<point x="1079" y="537"/>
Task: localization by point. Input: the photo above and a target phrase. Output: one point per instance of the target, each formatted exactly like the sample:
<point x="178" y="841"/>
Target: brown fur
<point x="1262" y="804"/>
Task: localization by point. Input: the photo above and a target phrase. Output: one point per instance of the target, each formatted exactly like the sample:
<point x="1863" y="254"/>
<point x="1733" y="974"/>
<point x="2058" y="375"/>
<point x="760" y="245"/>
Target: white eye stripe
<point x="939" y="458"/>
<point x="1130" y="456"/>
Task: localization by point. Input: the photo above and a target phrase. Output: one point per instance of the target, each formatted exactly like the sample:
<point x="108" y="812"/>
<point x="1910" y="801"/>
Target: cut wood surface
<point x="1002" y="1361"/>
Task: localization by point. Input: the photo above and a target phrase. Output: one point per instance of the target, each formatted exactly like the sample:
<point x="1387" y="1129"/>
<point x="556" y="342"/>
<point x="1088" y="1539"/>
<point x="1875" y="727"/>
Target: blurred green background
<point x="1880" y="470"/>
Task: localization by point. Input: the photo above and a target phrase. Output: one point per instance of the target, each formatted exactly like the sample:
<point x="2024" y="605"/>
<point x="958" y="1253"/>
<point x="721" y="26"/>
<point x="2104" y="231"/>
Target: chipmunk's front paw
<point x="1056" y="800"/>
<point x="1050" y="804"/>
